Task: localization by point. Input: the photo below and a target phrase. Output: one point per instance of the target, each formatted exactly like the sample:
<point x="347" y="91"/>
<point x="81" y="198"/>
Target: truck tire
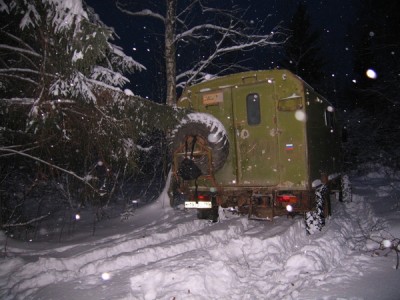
<point x="210" y="130"/>
<point x="315" y="220"/>
<point x="345" y="188"/>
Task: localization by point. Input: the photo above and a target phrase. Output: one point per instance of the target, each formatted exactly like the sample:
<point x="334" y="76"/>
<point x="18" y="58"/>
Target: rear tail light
<point x="286" y="198"/>
<point x="202" y="197"/>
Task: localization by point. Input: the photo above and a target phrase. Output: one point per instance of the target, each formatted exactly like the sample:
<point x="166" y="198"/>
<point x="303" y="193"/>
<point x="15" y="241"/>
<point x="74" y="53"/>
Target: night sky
<point x="139" y="36"/>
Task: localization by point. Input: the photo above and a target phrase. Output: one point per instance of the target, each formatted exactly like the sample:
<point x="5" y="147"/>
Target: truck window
<point x="253" y="109"/>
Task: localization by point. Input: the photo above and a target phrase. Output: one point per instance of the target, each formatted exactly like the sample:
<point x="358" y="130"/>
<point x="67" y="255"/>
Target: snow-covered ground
<point x="161" y="253"/>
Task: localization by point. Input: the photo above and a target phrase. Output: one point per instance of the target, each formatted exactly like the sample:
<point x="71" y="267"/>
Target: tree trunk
<point x="170" y="62"/>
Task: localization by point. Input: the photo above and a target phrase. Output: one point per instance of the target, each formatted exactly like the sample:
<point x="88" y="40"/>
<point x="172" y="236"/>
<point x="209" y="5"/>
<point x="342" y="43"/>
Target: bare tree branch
<point x="25" y="223"/>
<point x="2" y="149"/>
<point x="25" y="150"/>
<point x="222" y="30"/>
<point x="142" y="13"/>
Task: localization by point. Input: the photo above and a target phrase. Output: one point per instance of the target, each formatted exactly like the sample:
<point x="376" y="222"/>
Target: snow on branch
<point x="196" y="31"/>
<point x="77" y="85"/>
<point x="235" y="37"/>
<point x="385" y="245"/>
<point x="19" y="50"/>
<point x="108" y="76"/>
<point x="197" y="77"/>
<point x="9" y="150"/>
<point x="126" y="63"/>
<point x="3" y="7"/>
<point x="66" y="14"/>
<point x="82" y="88"/>
<point x="31" y="17"/>
<point x="30" y="101"/>
<point x="104" y="85"/>
<point x="142" y="13"/>
<point x="25" y="223"/>
<point x="24" y="101"/>
<point x="20" y="78"/>
<point x="233" y="30"/>
<point x="236" y="45"/>
<point x="190" y="73"/>
<point x="23" y="70"/>
<point x="379" y="241"/>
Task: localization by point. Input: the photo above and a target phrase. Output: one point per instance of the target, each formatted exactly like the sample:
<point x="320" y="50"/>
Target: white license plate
<point x="200" y="204"/>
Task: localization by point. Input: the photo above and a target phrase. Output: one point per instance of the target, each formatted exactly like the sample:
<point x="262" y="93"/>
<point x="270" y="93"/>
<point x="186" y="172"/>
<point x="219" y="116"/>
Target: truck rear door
<point x="256" y="138"/>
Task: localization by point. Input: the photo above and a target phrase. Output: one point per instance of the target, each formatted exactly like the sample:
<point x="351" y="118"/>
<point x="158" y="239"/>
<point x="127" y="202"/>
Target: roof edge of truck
<point x="261" y="75"/>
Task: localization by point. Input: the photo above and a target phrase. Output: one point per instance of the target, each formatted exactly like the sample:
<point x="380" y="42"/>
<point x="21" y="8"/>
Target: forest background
<point x="72" y="135"/>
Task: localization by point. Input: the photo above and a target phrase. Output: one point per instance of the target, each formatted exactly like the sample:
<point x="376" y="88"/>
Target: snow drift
<point x="161" y="253"/>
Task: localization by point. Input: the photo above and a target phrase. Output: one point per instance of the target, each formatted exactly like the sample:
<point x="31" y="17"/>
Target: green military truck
<point x="261" y="142"/>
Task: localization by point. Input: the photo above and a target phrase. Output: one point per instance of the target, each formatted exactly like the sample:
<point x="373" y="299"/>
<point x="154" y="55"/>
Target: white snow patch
<point x="128" y="92"/>
<point x="316" y="183"/>
<point x="77" y="55"/>
<point x="164" y="253"/>
<point x="212" y="138"/>
<point x="3" y="7"/>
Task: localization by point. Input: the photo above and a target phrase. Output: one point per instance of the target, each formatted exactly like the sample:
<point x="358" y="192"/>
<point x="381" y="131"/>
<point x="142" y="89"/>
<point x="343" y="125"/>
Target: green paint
<point x="292" y="140"/>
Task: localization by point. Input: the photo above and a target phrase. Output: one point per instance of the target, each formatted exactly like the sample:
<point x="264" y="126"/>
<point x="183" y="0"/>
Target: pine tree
<point x="302" y="50"/>
<point x="58" y="72"/>
<point x="61" y="107"/>
<point x="57" y="49"/>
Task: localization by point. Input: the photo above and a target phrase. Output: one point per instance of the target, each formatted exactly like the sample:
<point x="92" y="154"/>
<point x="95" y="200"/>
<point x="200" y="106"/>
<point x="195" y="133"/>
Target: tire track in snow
<point x="49" y="270"/>
<point x="194" y="256"/>
<point x="330" y="255"/>
<point x="260" y="266"/>
<point x="235" y="264"/>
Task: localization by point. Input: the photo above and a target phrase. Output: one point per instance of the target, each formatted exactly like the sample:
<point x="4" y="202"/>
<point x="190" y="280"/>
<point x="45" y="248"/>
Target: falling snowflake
<point x="371" y="74"/>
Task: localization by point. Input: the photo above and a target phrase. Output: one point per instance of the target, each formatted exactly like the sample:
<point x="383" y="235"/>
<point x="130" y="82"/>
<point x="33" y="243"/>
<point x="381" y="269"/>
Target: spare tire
<point x="207" y="129"/>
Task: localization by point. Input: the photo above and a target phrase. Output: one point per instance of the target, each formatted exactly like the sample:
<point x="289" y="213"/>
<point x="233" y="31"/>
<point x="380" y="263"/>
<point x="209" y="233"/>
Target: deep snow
<point x="161" y="253"/>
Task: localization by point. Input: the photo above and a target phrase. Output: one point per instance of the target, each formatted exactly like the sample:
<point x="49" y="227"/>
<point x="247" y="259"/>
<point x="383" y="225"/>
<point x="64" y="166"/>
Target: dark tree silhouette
<point x="302" y="50"/>
<point x="377" y="35"/>
<point x="374" y="134"/>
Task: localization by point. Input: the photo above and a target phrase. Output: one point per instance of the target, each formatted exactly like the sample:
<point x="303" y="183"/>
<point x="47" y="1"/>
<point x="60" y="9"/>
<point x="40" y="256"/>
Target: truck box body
<point x="282" y="134"/>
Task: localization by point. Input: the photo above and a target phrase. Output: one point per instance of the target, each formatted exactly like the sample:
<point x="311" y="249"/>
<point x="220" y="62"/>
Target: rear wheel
<point x="315" y="220"/>
<point x="345" y="188"/>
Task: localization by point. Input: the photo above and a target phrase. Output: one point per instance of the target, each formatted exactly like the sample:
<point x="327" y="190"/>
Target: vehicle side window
<point x="253" y="109"/>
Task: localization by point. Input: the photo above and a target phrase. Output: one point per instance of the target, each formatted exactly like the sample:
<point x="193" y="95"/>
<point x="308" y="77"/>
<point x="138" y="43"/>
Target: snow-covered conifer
<point x="56" y="49"/>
